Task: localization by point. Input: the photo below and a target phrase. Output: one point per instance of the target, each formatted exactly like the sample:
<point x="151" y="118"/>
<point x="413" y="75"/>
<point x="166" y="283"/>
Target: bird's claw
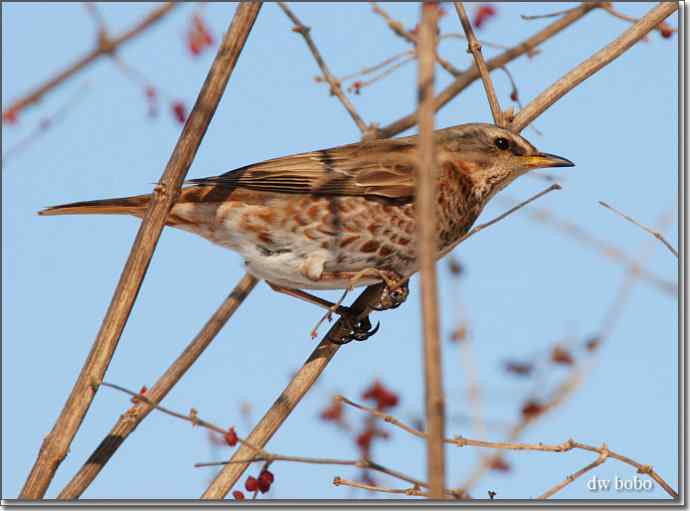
<point x="357" y="329"/>
<point x="392" y="298"/>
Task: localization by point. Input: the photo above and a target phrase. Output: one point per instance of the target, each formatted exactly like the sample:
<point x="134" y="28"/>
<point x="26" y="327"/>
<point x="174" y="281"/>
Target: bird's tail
<point x="135" y="205"/>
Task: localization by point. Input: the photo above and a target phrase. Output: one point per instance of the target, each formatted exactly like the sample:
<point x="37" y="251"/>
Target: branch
<point x="399" y="30"/>
<point x="566" y="446"/>
<point x="129" y="421"/>
<point x="290" y="397"/>
<point x="593" y="64"/>
<point x="467" y="77"/>
<point x="475" y="49"/>
<point x="600" y="459"/>
<point x="604" y="248"/>
<point x="411" y="492"/>
<point x="327" y="75"/>
<point x="365" y="464"/>
<point x="57" y="442"/>
<point x="512" y="210"/>
<point x="654" y="233"/>
<point x="105" y="46"/>
<point x="427" y="250"/>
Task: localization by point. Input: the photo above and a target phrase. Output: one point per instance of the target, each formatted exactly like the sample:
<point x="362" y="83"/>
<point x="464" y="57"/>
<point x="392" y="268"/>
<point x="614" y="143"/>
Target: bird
<point x="345" y="216"/>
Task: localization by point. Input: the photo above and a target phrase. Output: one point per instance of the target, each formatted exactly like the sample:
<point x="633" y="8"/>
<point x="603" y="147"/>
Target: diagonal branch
<point x="56" y="444"/>
<point x="468" y="77"/>
<point x="290" y="397"/>
<point x="427" y="243"/>
<point x="336" y="89"/>
<point x="593" y="64"/>
<point x="106" y="46"/>
<point x="475" y="49"/>
<point x="654" y="233"/>
<point x="129" y="421"/>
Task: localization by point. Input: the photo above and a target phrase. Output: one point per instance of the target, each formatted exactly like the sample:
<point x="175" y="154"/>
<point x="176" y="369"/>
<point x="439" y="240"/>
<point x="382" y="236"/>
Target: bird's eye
<point x="502" y="143"/>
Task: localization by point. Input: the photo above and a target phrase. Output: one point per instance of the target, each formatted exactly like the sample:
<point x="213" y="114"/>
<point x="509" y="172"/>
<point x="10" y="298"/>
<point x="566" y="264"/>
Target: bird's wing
<point x="383" y="168"/>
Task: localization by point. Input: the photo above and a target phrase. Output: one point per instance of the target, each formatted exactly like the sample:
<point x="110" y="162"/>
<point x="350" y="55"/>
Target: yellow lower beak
<point x="543" y="160"/>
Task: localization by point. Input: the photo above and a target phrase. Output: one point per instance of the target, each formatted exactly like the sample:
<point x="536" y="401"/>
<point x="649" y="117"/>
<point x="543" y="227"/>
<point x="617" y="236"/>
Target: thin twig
<point x="425" y="206"/>
<point x="336" y="89"/>
<point x="412" y="492"/>
<point x="604" y="248"/>
<point x="399" y="30"/>
<point x="129" y="421"/>
<point x="47" y="122"/>
<point x="512" y="210"/>
<point x="475" y="49"/>
<point x="608" y="7"/>
<point x="361" y="463"/>
<point x="593" y="64"/>
<point x="110" y="46"/>
<point x="549" y="15"/>
<point x="192" y="417"/>
<point x="467" y="77"/>
<point x="57" y="442"/>
<point x="654" y="233"/>
<point x="572" y="477"/>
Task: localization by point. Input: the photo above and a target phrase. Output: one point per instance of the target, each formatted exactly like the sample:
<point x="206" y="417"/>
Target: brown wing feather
<point x="383" y="168"/>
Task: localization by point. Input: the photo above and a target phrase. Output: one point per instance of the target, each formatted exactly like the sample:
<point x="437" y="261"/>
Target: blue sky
<point x="526" y="285"/>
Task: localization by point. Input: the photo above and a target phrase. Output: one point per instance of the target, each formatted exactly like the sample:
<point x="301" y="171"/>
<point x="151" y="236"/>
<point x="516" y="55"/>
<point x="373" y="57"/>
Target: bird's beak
<point x="542" y="160"/>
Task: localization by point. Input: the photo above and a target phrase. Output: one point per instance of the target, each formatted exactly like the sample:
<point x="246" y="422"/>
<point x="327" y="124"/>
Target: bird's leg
<point x="359" y="329"/>
<point x="307" y="297"/>
<point x="393" y="294"/>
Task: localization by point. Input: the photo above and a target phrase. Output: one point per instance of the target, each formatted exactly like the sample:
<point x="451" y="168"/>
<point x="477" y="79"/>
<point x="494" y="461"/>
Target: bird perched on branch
<point x="345" y="216"/>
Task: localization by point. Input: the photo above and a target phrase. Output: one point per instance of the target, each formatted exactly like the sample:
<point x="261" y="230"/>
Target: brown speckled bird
<point x="345" y="216"/>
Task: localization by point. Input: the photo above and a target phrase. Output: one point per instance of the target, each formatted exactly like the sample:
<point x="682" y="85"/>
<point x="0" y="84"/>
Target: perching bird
<point x="344" y="216"/>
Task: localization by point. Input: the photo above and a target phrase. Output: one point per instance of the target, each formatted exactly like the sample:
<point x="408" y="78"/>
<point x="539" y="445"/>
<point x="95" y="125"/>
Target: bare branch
<point x="362" y="463"/>
<point x="475" y="49"/>
<point x="336" y="89"/>
<point x="467" y="77"/>
<point x="428" y="244"/>
<point x="593" y="64"/>
<point x="399" y="30"/>
<point x="654" y="233"/>
<point x="57" y="442"/>
<point x="105" y="47"/>
<point x="600" y="459"/>
<point x="129" y="421"/>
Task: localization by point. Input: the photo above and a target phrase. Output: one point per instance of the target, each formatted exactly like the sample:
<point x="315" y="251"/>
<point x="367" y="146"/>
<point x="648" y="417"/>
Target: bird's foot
<point x="392" y="297"/>
<point x="357" y="329"/>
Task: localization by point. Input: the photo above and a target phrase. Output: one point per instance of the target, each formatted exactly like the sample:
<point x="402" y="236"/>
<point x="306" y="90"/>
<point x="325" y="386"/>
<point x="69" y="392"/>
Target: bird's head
<point x="491" y="156"/>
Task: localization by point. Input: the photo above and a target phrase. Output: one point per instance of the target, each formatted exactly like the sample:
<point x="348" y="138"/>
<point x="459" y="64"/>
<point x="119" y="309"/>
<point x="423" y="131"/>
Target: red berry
<point x="532" y="409"/>
<point x="666" y="32"/>
<point x="514" y="95"/>
<point x="364" y="439"/>
<point x="238" y="495"/>
<point x="562" y="356"/>
<point x="499" y="465"/>
<point x="179" y="111"/>
<point x="251" y="484"/>
<point x="10" y="116"/>
<point x="264" y="485"/>
<point x="267" y="475"/>
<point x="484" y="12"/>
<point x="231" y="437"/>
<point x="334" y="412"/>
